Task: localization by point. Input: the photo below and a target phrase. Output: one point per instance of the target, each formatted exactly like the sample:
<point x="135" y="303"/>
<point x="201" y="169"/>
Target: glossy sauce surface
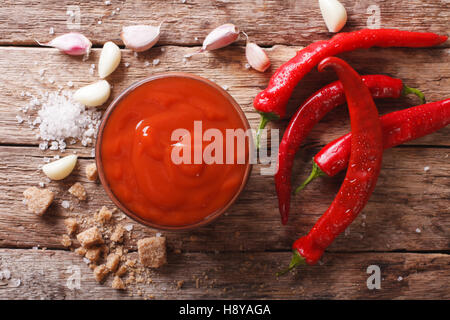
<point x="137" y="149"/>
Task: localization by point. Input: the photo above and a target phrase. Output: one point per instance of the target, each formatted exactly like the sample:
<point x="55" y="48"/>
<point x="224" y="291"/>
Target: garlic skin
<point x="141" y="37"/>
<point x="220" y="37"/>
<point x="72" y="43"/>
<point x="60" y="169"/>
<point x="334" y="14"/>
<point x="93" y="95"/>
<point x="109" y="59"/>
<point x="256" y="57"/>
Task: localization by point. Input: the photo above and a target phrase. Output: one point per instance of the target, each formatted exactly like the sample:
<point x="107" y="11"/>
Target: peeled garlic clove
<point x="94" y="94"/>
<point x="72" y="43"/>
<point x="141" y="37"/>
<point x="334" y="14"/>
<point x="109" y="59"/>
<point x="59" y="169"/>
<point x="221" y="37"/>
<point x="257" y="57"/>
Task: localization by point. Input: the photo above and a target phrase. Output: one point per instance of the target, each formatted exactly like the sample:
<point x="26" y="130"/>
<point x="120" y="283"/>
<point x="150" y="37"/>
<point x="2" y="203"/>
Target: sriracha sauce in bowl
<point x="173" y="151"/>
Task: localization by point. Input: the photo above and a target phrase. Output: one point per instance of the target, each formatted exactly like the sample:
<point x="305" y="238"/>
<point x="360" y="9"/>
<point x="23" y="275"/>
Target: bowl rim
<point x="99" y="162"/>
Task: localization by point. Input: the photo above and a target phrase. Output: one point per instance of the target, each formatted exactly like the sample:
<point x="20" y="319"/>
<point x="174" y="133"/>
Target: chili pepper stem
<point x="315" y="173"/>
<point x="296" y="260"/>
<point x="265" y="118"/>
<point x="407" y="90"/>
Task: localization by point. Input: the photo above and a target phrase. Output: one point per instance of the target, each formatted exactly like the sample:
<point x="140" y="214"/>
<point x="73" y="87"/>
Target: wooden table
<point x="236" y="256"/>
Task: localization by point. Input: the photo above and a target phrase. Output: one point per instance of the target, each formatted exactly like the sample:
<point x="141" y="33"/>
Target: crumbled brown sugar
<point x="93" y="254"/>
<point x="121" y="271"/>
<point x="65" y="241"/>
<point x="180" y="284"/>
<point x="112" y="262"/>
<point x="91" y="172"/>
<point x="100" y="272"/>
<point x="38" y="200"/>
<point x="81" y="251"/>
<point x="117" y="235"/>
<point x="71" y="225"/>
<point x="78" y="191"/>
<point x="152" y="251"/>
<point x="118" y="284"/>
<point x="104" y="215"/>
<point x="90" y="237"/>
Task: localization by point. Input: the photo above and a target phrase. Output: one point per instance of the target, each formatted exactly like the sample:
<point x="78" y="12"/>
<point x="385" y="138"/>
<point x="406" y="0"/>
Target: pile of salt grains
<point x="60" y="118"/>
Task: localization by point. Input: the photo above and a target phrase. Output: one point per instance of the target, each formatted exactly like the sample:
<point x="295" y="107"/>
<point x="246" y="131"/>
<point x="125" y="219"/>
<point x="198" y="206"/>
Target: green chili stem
<point x="296" y="260"/>
<point x="417" y="92"/>
<point x="315" y="173"/>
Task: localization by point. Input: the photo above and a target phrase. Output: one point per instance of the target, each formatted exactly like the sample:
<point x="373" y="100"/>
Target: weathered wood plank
<point x="406" y="198"/>
<point x="268" y="22"/>
<point x="44" y="275"/>
<point x="425" y="69"/>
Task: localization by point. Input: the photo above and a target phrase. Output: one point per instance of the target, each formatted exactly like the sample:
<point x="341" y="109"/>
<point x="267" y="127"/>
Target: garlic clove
<point x="94" y="94"/>
<point x="60" y="169"/>
<point x="334" y="14"/>
<point x="109" y="59"/>
<point x="72" y="43"/>
<point x="257" y="57"/>
<point x="220" y="37"/>
<point x="141" y="37"/>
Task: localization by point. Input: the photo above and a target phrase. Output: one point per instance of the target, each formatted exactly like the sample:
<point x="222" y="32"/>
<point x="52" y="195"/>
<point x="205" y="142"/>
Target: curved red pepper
<point x="271" y="102"/>
<point x="362" y="174"/>
<point x="398" y="127"/>
<point x="311" y="112"/>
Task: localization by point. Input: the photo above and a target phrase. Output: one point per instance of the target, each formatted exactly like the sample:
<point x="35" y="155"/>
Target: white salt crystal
<point x="129" y="227"/>
<point x="19" y="119"/>
<point x="127" y="64"/>
<point x="426" y="169"/>
<point x="6" y="274"/>
<point x="196" y="38"/>
<point x="70" y="84"/>
<point x="225" y="87"/>
<point x="14" y="283"/>
<point x="65" y="204"/>
<point x="163" y="49"/>
<point x="247" y="66"/>
<point x="56" y="157"/>
<point x="107" y="2"/>
<point x="146" y="63"/>
<point x="400" y="278"/>
<point x="54" y="145"/>
<point x="51" y="31"/>
<point x="155" y="62"/>
<point x="86" y="260"/>
<point x="99" y="22"/>
<point x="51" y="80"/>
<point x="184" y="60"/>
<point x="418" y="230"/>
<point x="41" y="184"/>
<point x="41" y="72"/>
<point x="158" y="235"/>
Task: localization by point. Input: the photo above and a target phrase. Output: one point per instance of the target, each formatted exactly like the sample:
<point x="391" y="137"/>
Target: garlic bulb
<point x="256" y="57"/>
<point x="220" y="37"/>
<point x="141" y="37"/>
<point x="334" y="14"/>
<point x="60" y="169"/>
<point x="109" y="59"/>
<point x="93" y="95"/>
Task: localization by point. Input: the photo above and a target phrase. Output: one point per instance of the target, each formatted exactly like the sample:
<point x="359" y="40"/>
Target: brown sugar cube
<point x="71" y="225"/>
<point x="100" y="272"/>
<point x="104" y="215"/>
<point x="38" y="200"/>
<point x="112" y="262"/>
<point x="93" y="254"/>
<point x="78" y="191"/>
<point x="117" y="235"/>
<point x="121" y="271"/>
<point x="118" y="283"/>
<point x="152" y="251"/>
<point x="65" y="241"/>
<point x="90" y="237"/>
<point x="81" y="251"/>
<point x="91" y="172"/>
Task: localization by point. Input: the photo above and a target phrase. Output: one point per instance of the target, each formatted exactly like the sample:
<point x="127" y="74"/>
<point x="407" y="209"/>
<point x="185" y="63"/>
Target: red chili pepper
<point x="271" y="103"/>
<point x="363" y="170"/>
<point x="398" y="127"/>
<point x="311" y="112"/>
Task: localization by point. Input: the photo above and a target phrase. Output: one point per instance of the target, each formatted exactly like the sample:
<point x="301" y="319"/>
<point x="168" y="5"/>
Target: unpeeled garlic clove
<point x="221" y="37"/>
<point x="109" y="59"/>
<point x="257" y="58"/>
<point x="141" y="37"/>
<point x="60" y="169"/>
<point x="334" y="14"/>
<point x="94" y="94"/>
<point x="72" y="43"/>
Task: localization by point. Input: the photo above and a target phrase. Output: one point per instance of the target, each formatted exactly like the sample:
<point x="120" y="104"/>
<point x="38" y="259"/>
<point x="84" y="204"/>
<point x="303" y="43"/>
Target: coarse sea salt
<point x="59" y="118"/>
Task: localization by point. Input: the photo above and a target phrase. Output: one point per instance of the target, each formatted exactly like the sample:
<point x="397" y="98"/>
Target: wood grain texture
<point x="268" y="22"/>
<point x="425" y="69"/>
<point x="406" y="198"/>
<point x="44" y="275"/>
